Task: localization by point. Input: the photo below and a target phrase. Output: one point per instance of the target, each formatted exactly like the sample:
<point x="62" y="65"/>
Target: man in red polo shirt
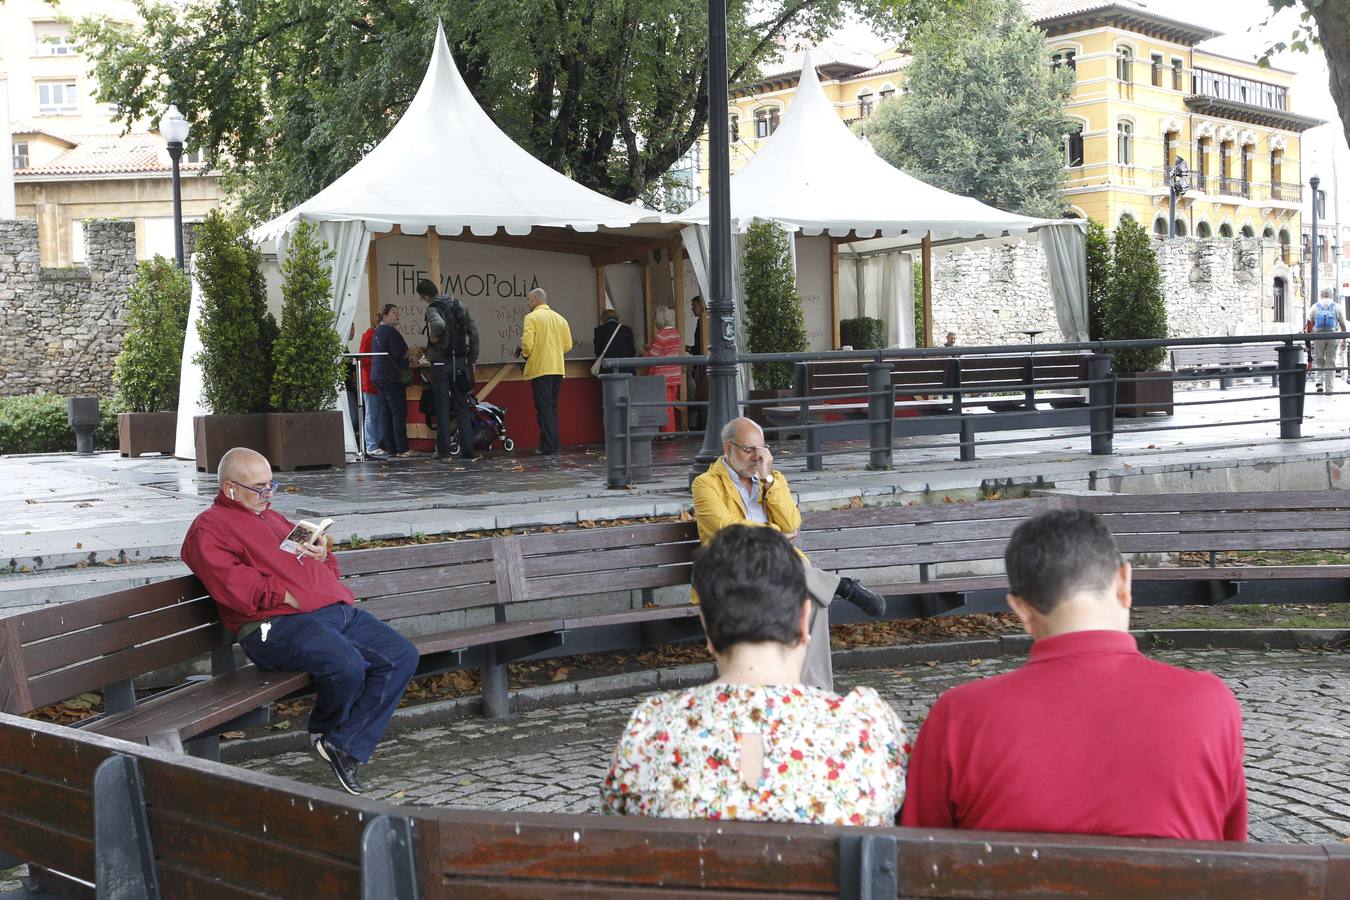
<point x="1090" y="736"/>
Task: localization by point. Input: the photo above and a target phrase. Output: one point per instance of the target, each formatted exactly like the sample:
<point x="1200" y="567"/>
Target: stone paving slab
<point x="1296" y="709"/>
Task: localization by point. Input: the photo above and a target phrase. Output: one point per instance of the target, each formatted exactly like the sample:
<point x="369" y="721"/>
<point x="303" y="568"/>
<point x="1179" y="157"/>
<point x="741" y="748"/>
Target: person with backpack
<point x="452" y="350"/>
<point x="1325" y="316"/>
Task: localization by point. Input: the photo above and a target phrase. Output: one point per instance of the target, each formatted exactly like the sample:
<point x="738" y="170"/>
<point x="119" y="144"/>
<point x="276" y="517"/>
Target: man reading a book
<point x="290" y="613"/>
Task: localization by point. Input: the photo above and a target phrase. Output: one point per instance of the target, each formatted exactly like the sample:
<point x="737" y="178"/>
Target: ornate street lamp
<point x="174" y="128"/>
<point x="1178" y="183"/>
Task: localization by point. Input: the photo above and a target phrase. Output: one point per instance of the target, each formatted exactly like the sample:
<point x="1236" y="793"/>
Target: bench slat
<point x="53" y="653"/>
<point x="403" y="581"/>
<point x="602" y="582"/>
<point x="67" y="617"/>
<point x="386" y="559"/>
<point x="608" y="562"/>
<point x="405" y="606"/>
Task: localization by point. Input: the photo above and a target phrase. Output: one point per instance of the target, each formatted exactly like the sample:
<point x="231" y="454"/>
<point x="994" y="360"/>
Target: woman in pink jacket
<point x="667" y="343"/>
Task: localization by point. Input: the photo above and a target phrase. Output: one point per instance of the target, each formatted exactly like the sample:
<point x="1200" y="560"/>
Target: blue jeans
<point x="394" y="416"/>
<point x="359" y="665"/>
<point x="374" y="424"/>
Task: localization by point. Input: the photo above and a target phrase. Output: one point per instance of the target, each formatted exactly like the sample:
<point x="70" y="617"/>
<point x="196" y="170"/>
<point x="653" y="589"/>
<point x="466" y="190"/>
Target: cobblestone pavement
<point x="1297" y="727"/>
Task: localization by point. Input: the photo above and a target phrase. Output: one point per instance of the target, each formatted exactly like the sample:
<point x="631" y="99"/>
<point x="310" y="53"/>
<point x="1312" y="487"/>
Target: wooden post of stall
<point x="372" y="285"/>
<point x="834" y="288"/>
<point x="599" y="292"/>
<point x="675" y="265"/>
<point x="928" y="289"/>
<point x="648" y="305"/>
<point x="434" y="257"/>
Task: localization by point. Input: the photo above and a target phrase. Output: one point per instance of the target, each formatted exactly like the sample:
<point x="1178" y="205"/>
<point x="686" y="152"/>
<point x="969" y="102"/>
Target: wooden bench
<point x="85" y="811"/>
<point x="936" y="395"/>
<point x="1226" y="362"/>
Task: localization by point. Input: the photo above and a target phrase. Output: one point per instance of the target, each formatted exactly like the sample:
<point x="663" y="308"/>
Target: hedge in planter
<point x="38" y="424"/>
<point x="773" y="309"/>
<point x="1134" y="310"/>
<point x="147" y="368"/>
<point x="862" y="333"/>
<point x="305" y="430"/>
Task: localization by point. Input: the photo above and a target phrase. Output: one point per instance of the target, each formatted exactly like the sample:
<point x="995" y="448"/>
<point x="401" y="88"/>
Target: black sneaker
<point x="854" y="592"/>
<point x="342" y="764"/>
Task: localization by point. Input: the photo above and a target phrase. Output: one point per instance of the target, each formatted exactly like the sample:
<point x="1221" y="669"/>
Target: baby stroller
<point x="489" y="421"/>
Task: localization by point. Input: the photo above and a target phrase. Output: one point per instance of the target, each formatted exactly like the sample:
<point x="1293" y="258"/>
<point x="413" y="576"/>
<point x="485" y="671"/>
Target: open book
<point x="305" y="533"/>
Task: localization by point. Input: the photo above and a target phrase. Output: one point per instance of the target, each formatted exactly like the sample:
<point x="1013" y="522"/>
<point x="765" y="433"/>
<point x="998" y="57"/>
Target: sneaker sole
<point x="319" y="748"/>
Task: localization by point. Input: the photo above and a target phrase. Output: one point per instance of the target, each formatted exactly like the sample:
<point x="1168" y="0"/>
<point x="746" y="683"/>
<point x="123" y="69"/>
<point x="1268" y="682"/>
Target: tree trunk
<point x="1333" y="30"/>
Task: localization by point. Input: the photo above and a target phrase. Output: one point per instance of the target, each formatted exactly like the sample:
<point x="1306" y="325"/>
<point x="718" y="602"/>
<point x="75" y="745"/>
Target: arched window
<point x="887" y="92"/>
<point x="1181" y="227"/>
<point x="1073" y="146"/>
<point x="1199" y="179"/>
<point x="1125" y="143"/>
<point x="1160" y="225"/>
<point x="1225" y="230"/>
<point x="864" y="103"/>
<point x="1280" y="292"/>
<point x="1267" y="233"/>
<point x="1284" y="245"/>
<point x="1169" y="145"/>
<point x="1203" y="231"/>
<point x="766" y="121"/>
<point x="734" y="127"/>
<point x="1248" y="231"/>
<point x="1124" y="63"/>
<point x="1065" y="58"/>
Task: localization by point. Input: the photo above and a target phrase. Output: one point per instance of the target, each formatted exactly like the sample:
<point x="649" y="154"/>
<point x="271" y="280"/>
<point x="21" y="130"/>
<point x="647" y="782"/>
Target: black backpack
<point x="455" y="341"/>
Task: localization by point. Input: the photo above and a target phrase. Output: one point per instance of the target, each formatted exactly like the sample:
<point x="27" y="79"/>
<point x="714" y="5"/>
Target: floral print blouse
<point x="827" y="759"/>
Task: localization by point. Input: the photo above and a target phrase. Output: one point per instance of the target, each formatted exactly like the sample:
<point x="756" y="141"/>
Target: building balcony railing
<point x="1223" y="86"/>
<point x="1234" y="187"/>
<point x="1283" y="190"/>
<point x="1158" y="177"/>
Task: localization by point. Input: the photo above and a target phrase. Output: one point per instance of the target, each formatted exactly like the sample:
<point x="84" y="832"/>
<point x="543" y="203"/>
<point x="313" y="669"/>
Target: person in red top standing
<point x="370" y="396"/>
<point x="1090" y="736"/>
<point x="667" y="343"/>
<point x="289" y="612"/>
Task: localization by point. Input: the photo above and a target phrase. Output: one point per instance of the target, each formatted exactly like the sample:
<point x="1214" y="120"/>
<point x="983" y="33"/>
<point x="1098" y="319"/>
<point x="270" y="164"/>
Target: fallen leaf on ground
<point x="232" y="735"/>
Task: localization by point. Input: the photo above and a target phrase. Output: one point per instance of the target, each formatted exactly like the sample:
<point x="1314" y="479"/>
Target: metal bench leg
<point x="119" y="696"/>
<point x="967" y="439"/>
<point x="496" y="700"/>
<point x="388" y="859"/>
<point x="814" y="461"/>
<point x="869" y="867"/>
<point x="124" y="860"/>
<point x="205" y="747"/>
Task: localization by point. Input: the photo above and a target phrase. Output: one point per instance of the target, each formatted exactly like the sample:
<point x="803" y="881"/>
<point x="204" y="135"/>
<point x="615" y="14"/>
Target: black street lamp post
<point x="721" y="304"/>
<point x="174" y="128"/>
<point x="1313" y="182"/>
<point x="1178" y="183"/>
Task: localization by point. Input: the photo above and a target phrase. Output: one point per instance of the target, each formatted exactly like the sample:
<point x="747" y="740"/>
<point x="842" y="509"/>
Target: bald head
<point x="742" y="431"/>
<point x="537" y="296"/>
<point x="242" y="474"/>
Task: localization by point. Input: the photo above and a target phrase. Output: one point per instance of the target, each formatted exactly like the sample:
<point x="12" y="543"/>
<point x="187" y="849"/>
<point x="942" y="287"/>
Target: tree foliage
<point x="773" y="309"/>
<point x="1134" y="308"/>
<point x="1325" y="24"/>
<point x="308" y="352"/>
<point x="1098" y="253"/>
<point x="147" y="368"/>
<point x="285" y="95"/>
<point x="984" y="114"/>
<point x="236" y="329"/>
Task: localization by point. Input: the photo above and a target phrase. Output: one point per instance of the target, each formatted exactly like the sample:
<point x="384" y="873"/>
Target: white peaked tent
<point x="445" y="169"/>
<point x="816" y="177"/>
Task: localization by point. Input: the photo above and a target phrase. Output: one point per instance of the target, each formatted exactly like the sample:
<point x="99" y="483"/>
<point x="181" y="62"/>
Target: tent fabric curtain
<point x="350" y="242"/>
<point x="190" y="376"/>
<point x="696" y="245"/>
<point x="881" y="286"/>
<point x="1066" y="270"/>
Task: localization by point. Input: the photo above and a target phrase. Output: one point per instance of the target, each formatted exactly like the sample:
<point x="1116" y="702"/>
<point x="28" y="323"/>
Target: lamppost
<point x="175" y="130"/>
<point x="1178" y="183"/>
<point x="721" y="305"/>
<point x="1313" y="182"/>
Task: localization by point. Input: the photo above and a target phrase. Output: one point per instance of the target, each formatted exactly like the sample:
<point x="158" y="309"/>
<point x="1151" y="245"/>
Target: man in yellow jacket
<point x="741" y="487"/>
<point x="544" y="341"/>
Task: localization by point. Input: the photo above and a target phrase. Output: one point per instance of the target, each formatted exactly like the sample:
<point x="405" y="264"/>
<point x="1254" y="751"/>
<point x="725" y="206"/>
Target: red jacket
<point x="367" y="341"/>
<point x="237" y="554"/>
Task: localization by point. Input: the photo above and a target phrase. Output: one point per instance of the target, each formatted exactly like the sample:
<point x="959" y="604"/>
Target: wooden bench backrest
<point x="597" y="560"/>
<point x="218" y="831"/>
<point x="67" y="649"/>
<point x="415" y="580"/>
<point x="1047" y="370"/>
<point x="933" y="374"/>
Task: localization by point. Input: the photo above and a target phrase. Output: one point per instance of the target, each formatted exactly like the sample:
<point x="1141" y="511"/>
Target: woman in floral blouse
<point x="757" y="744"/>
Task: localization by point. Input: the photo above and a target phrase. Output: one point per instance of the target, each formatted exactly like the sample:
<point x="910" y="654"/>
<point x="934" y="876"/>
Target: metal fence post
<point x="388" y="859"/>
<point x="881" y="412"/>
<point x="1293" y="382"/>
<point x="615" y="390"/>
<point x="124" y="860"/>
<point x="1102" y="403"/>
<point x="869" y="867"/>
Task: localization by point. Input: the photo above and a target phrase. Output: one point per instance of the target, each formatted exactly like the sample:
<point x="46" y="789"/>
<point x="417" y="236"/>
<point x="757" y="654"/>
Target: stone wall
<point x="61" y="329"/>
<point x="1212" y="287"/>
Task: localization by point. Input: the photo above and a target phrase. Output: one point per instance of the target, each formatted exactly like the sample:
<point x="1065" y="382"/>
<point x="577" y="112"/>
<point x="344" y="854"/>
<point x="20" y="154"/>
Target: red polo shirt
<point x="1089" y="737"/>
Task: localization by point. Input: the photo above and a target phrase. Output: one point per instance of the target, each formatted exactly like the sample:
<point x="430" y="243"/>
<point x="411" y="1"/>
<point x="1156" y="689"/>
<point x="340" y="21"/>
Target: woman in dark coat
<point x="387" y="374"/>
<point x="622" y="346"/>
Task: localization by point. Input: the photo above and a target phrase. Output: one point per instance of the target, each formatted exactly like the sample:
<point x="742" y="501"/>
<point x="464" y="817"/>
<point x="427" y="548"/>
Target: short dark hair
<point x="1056" y="553"/>
<point x="426" y="287"/>
<point x="386" y="309"/>
<point x="751" y="586"/>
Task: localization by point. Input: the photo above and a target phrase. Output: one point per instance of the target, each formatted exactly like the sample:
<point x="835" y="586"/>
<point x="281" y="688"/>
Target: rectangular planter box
<point x="1150" y="396"/>
<point x="139" y="433"/>
<point x="306" y="440"/>
<point x="214" y="435"/>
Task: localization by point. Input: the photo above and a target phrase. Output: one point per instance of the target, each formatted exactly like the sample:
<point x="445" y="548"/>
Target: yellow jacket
<point x="718" y="503"/>
<point x="545" y="339"/>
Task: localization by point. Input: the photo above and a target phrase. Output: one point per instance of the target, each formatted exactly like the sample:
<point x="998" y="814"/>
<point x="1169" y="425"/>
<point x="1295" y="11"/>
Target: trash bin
<point x="82" y="412"/>
<point x="630" y="458"/>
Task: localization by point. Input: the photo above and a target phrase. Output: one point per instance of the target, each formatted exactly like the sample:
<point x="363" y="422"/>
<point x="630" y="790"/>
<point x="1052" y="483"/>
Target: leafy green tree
<point x="147" y="368"/>
<point x="1325" y="24"/>
<point x="1098" y="252"/>
<point x="285" y="95"/>
<point x="1134" y="303"/>
<point x="236" y="329"/>
<point x="773" y="309"/>
<point x="984" y="115"/>
<point x="308" y="351"/>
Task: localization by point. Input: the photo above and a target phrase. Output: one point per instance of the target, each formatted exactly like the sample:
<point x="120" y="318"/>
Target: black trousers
<point x="546" y="388"/>
<point x="447" y="399"/>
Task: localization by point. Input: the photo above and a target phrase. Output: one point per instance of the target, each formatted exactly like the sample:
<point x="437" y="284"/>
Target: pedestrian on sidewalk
<point x="1325" y="316"/>
<point x="290" y="613"/>
<point x="666" y="343"/>
<point x="373" y="426"/>
<point x="543" y="341"/>
<point x="391" y="374"/>
<point x="452" y="350"/>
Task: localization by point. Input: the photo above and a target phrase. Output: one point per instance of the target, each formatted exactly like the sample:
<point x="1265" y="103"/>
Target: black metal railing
<point x="887" y="408"/>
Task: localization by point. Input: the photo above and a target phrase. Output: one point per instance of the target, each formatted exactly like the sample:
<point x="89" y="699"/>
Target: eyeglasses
<point x="762" y="448"/>
<point x="263" y="492"/>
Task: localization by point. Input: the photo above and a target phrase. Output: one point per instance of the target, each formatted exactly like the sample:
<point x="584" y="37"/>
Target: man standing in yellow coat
<point x="741" y="487"/>
<point x="544" y="341"/>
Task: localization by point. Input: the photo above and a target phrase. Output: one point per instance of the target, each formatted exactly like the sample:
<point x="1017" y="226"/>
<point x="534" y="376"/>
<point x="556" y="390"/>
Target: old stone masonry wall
<point x="989" y="296"/>
<point x="61" y="329"/>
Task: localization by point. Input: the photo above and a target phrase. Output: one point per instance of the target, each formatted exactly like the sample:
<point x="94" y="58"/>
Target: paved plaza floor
<point x="1296" y="708"/>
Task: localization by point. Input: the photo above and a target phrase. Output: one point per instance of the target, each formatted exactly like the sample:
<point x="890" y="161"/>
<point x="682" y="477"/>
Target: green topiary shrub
<point x="920" y="330"/>
<point x="773" y="309"/>
<point x="38" y="424"/>
<point x="147" y="368"/>
<point x="1134" y="307"/>
<point x="308" y="351"/>
<point x="1098" y="252"/>
<point x="237" y="331"/>
<point x="862" y="333"/>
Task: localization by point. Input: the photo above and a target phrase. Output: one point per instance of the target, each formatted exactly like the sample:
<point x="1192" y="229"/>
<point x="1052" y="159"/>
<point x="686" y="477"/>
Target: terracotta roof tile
<point x="129" y="154"/>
